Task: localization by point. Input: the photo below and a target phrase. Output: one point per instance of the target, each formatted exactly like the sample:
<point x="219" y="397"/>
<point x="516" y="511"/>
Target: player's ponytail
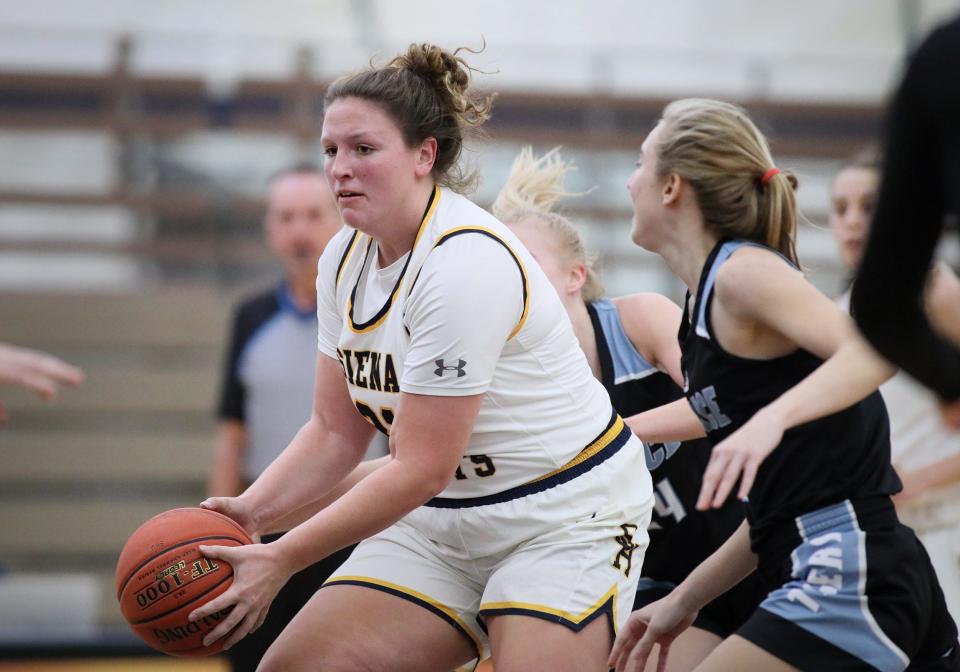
<point x="717" y="149"/>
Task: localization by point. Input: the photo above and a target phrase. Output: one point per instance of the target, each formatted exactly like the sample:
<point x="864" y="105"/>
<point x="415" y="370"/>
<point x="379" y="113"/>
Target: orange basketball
<point x="162" y="577"/>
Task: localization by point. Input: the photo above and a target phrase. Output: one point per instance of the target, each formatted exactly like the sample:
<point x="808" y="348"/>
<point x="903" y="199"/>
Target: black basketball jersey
<point x="841" y="456"/>
<point x="680" y="536"/>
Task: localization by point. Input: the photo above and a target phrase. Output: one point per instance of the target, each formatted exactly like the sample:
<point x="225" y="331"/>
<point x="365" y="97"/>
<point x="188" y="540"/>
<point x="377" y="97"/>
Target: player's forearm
<point x="675" y="421"/>
<point x="724" y="569"/>
<point x="304" y="513"/>
<point x="314" y="462"/>
<point x="376" y="502"/>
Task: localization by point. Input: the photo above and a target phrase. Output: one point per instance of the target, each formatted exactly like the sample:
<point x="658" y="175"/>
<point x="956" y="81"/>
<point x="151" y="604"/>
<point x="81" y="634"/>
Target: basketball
<point x="162" y="576"/>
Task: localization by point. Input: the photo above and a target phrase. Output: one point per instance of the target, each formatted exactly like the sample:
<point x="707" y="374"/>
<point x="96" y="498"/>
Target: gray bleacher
<point x="81" y="473"/>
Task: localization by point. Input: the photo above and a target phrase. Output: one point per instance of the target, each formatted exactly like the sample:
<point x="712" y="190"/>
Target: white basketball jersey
<point x="467" y="311"/>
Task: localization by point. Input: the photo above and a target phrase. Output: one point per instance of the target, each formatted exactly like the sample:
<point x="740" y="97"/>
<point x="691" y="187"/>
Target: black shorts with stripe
<point x="855" y="590"/>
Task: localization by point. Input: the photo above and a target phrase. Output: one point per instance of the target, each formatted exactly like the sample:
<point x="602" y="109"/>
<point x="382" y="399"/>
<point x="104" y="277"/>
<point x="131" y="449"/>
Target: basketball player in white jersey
<point x="513" y="509"/>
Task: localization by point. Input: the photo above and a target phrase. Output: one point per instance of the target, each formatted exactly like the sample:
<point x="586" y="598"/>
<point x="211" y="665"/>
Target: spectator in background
<point x="925" y="453"/>
<point x="34" y="370"/>
<point x="268" y="382"/>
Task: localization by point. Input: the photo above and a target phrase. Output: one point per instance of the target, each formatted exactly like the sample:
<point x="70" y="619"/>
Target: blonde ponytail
<point x="717" y="149"/>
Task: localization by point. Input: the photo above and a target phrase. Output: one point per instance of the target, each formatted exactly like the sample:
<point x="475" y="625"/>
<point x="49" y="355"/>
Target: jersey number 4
<point x="666" y="504"/>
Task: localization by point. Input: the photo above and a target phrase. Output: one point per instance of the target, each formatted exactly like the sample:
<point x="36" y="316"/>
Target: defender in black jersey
<point x="786" y="392"/>
<point x="680" y="535"/>
<point x="821" y="522"/>
<point x="630" y="343"/>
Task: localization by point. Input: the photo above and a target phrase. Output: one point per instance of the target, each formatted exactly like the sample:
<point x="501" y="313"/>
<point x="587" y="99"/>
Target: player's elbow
<point x="432" y="482"/>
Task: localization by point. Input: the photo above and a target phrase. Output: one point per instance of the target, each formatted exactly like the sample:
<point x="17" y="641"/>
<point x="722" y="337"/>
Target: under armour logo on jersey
<point x="441" y="367"/>
<point x="627" y="547"/>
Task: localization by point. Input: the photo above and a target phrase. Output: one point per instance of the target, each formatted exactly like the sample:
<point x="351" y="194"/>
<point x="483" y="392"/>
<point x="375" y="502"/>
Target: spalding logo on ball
<point x="162" y="577"/>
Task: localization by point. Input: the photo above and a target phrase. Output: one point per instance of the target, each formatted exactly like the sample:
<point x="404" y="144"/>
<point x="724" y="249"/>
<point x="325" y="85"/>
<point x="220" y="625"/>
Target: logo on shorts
<point x="627" y="547"/>
<point x="441" y="367"/>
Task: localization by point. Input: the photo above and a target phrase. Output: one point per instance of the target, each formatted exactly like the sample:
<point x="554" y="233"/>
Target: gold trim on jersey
<point x="417" y="597"/>
<point x="345" y="257"/>
<point x="598" y="451"/>
<point x="523" y="271"/>
<point x="602" y="442"/>
<point x="610" y="597"/>
<point x="381" y="315"/>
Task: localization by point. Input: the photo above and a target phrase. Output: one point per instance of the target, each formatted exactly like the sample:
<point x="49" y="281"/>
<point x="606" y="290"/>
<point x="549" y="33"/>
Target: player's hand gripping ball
<point x="162" y="577"/>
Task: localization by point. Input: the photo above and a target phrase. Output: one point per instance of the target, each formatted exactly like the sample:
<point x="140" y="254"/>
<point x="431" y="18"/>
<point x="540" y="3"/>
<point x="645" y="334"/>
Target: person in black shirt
<point x="920" y="187"/>
<point x="778" y="380"/>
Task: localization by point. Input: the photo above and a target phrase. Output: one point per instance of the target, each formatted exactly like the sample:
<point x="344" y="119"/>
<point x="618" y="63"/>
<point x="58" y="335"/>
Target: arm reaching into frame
<point x="35" y="371"/>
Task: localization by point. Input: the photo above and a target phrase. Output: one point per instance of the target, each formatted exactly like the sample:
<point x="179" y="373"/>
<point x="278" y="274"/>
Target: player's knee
<point x="277" y="660"/>
<point x="320" y="657"/>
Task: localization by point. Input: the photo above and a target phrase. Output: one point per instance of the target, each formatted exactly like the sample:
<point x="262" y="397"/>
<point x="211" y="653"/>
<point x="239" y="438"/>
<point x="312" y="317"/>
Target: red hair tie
<point x="767" y="176"/>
